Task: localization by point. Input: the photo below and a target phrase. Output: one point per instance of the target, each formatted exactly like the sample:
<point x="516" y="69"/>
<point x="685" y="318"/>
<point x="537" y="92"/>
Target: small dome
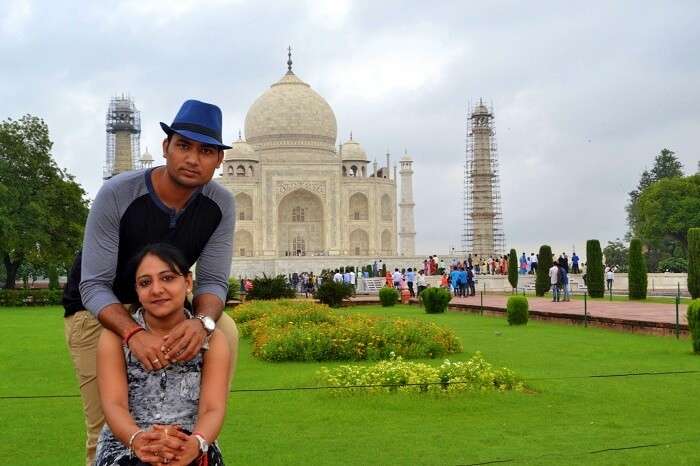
<point x="481" y="109"/>
<point x="291" y="114"/>
<point x="406" y="158"/>
<point x="240" y="150"/>
<point x="146" y="156"/>
<point x="352" y="150"/>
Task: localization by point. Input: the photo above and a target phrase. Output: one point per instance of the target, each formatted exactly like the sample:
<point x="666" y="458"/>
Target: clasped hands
<point x="166" y="444"/>
<point x="181" y="344"/>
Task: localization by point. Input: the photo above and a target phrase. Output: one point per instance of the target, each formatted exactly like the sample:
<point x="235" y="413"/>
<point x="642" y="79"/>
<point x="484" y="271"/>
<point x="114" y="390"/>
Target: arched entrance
<point x="300" y="224"/>
<point x="359" y="243"/>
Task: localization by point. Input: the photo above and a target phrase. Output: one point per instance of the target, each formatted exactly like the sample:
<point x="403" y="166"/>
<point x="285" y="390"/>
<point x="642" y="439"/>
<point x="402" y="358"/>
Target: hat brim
<point x="204" y="139"/>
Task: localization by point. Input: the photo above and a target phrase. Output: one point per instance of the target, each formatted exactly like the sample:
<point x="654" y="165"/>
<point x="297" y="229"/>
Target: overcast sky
<point x="584" y="95"/>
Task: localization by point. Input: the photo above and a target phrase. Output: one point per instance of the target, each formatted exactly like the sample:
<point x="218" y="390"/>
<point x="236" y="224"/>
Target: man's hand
<point x="184" y="341"/>
<point x="147" y="349"/>
<point x="150" y="447"/>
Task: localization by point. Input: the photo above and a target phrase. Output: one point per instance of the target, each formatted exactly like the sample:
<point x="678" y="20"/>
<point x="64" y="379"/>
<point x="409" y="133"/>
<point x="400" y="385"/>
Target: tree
<point x="637" y="271"/>
<point x="42" y="208"/>
<point x="513" y="268"/>
<point x="544" y="263"/>
<point x="616" y="253"/>
<point x="694" y="262"/>
<point x="595" y="281"/>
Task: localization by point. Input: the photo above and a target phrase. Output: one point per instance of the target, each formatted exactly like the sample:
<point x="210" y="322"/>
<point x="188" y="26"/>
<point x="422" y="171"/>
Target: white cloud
<point x="15" y="17"/>
<point x="328" y="14"/>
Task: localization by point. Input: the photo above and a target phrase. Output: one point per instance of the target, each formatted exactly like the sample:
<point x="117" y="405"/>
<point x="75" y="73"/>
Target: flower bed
<point x="395" y="374"/>
<point x="305" y="331"/>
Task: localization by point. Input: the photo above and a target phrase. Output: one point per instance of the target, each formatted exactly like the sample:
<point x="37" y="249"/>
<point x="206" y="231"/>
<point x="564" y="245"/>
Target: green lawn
<point x="616" y="297"/>
<point x="559" y="422"/>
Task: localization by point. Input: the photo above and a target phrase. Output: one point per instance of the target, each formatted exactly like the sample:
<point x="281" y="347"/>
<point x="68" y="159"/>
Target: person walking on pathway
<point x="421" y="282"/>
<point x="554" y="281"/>
<point x="574" y="263"/>
<point x="410" y="280"/>
<point x="564" y="282"/>
<point x="610" y="277"/>
<point x="533" y="263"/>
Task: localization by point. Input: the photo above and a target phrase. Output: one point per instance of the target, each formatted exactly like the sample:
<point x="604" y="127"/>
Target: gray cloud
<point x="585" y="95"/>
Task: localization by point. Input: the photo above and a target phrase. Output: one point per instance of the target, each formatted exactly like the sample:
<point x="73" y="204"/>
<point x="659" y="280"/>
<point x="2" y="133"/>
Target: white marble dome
<point x="240" y="150"/>
<point x="291" y="114"/>
<point x="352" y="150"/>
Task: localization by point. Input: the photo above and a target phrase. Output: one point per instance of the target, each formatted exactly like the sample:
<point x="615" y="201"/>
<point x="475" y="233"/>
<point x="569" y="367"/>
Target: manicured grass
<point x="616" y="297"/>
<point x="558" y="422"/>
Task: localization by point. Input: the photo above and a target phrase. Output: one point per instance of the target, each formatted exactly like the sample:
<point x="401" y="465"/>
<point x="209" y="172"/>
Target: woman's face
<point x="160" y="290"/>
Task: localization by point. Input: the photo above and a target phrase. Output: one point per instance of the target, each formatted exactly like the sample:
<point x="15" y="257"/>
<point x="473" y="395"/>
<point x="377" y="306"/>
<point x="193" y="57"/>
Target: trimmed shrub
<point x="694" y="323"/>
<point x="544" y="263"/>
<point x="30" y="297"/>
<point x="306" y="331"/>
<point x="518" y="310"/>
<point x="638" y="271"/>
<point x="389" y="296"/>
<point x="673" y="265"/>
<point x="271" y="288"/>
<point x="595" y="279"/>
<point x="234" y="289"/>
<point x="333" y="293"/>
<point x="694" y="262"/>
<point x="396" y="375"/>
<point x="513" y="268"/>
<point x="435" y="300"/>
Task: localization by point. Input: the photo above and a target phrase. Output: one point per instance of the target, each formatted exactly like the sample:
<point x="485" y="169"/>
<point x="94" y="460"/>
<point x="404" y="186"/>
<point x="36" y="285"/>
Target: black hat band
<point x="197" y="129"/>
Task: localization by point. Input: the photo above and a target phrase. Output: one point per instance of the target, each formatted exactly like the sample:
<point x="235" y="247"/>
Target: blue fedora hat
<point x="198" y="121"/>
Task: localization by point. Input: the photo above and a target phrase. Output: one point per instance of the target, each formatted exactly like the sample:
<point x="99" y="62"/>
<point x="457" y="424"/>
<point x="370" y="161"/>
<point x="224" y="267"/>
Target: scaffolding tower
<point x="483" y="219"/>
<point x="123" y="126"/>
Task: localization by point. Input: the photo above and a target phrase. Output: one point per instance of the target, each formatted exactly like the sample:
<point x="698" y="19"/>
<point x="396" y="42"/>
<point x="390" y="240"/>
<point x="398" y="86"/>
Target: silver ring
<point x="156" y="361"/>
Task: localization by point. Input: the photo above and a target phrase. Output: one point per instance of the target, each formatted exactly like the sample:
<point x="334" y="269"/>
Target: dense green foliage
<point x="234" y="289"/>
<point x="694" y="262"/>
<point x="637" y="271"/>
<point x="616" y="253"/>
<point x="42" y="208"/>
<point x="435" y="299"/>
<point x="30" y="297"/>
<point x="672" y="265"/>
<point x="595" y="279"/>
<point x="271" y="288"/>
<point x="513" y="268"/>
<point x="305" y="331"/>
<point x="544" y="262"/>
<point x="575" y="414"/>
<point x="396" y="375"/>
<point x="518" y="311"/>
<point x="694" y="323"/>
<point x="389" y="296"/>
<point x="333" y="293"/>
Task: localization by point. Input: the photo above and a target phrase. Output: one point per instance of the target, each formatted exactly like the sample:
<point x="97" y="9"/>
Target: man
<point x="533" y="263"/>
<point x="178" y="204"/>
<point x="554" y="281"/>
<point x="410" y="278"/>
<point x="564" y="282"/>
<point x="397" y="277"/>
<point x="338" y="277"/>
<point x="574" y="263"/>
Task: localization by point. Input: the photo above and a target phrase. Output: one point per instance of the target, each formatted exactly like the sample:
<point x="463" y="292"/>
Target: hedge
<point x="694" y="262"/>
<point x="694" y="323"/>
<point x="30" y="297"/>
<point x="513" y="268"/>
<point x="389" y="296"/>
<point x="435" y="300"/>
<point x="637" y="271"/>
<point x="544" y="263"/>
<point x="595" y="279"/>
<point x="517" y="308"/>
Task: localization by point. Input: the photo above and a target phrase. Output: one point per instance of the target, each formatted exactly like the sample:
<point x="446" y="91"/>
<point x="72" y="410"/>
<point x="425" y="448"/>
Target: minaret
<point x="407" y="228"/>
<point x="123" y="125"/>
<point x="483" y="218"/>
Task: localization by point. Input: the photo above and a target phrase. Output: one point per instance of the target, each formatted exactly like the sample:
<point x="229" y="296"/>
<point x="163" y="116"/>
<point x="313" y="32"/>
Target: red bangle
<point x="133" y="332"/>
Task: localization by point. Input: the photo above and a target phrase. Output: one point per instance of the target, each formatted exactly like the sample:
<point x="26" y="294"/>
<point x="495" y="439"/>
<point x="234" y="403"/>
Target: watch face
<point x="209" y="324"/>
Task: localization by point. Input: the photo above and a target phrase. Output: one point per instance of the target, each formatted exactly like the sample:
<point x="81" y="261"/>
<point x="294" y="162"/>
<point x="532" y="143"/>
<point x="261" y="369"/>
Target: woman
<point x="172" y="415"/>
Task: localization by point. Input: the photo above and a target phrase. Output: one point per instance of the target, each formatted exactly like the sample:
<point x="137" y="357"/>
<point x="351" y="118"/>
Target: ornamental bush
<point x="30" y="297"/>
<point x="544" y="263"/>
<point x="694" y="262"/>
<point x="637" y="271"/>
<point x="396" y="375"/>
<point x="306" y="331"/>
<point x="333" y="293"/>
<point x="435" y="300"/>
<point x="694" y="323"/>
<point x="595" y="280"/>
<point x="388" y="296"/>
<point x="234" y="289"/>
<point x="513" y="268"/>
<point x="271" y="288"/>
<point x="517" y="308"/>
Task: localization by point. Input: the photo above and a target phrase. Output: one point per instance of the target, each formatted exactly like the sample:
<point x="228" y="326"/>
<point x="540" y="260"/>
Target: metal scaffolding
<point x="123" y="126"/>
<point x="483" y="219"/>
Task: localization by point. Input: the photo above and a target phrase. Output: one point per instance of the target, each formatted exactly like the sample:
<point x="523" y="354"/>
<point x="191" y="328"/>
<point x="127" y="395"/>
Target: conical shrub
<point x="638" y="271"/>
<point x="513" y="268"/>
<point x="544" y="263"/>
<point x="694" y="262"/>
<point x="595" y="279"/>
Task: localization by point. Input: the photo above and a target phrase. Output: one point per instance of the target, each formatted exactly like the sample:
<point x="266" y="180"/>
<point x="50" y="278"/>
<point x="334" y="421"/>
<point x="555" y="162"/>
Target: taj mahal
<point x="303" y="203"/>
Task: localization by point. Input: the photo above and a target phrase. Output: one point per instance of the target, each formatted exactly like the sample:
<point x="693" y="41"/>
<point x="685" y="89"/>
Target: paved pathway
<point x="645" y="312"/>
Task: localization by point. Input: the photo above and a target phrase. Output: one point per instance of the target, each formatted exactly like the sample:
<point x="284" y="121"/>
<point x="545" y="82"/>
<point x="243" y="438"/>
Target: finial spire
<point x="239" y="135"/>
<point x="289" y="59"/>
<point x="351" y="135"/>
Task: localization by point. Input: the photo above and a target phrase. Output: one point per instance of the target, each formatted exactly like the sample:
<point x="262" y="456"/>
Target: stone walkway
<point x="633" y="316"/>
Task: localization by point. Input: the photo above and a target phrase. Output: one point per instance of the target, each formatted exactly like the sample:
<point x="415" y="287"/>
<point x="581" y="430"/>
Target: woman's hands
<point x="166" y="445"/>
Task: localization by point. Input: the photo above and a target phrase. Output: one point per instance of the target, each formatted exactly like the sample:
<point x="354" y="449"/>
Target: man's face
<point x="190" y="163"/>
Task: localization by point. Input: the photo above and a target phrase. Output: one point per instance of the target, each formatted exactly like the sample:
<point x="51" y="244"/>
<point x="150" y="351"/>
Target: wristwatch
<point x="203" y="445"/>
<point x="207" y="322"/>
